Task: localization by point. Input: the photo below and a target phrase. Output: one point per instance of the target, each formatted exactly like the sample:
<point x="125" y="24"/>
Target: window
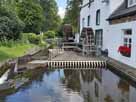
<point x="98" y="17"/>
<point x="131" y="2"/>
<point x="127" y="43"/>
<point x="88" y="21"/>
<point x="125" y="48"/>
<point x="99" y="38"/>
<point x="127" y="38"/>
<point x="83" y="22"/>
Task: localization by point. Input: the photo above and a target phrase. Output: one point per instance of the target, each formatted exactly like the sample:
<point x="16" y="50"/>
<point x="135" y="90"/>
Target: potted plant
<point x="125" y="51"/>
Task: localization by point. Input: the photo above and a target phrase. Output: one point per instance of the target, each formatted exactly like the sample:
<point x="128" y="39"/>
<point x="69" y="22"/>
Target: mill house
<point x="114" y="26"/>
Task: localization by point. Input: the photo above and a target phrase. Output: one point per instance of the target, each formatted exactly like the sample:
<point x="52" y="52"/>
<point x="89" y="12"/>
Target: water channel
<point x="100" y="85"/>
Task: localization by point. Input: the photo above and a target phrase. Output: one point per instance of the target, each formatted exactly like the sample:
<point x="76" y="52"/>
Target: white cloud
<point x="61" y="12"/>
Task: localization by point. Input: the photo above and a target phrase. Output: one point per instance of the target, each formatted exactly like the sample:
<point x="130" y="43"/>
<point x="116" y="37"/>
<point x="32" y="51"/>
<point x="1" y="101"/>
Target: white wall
<point x="112" y="34"/>
<point x="116" y="40"/>
<point x="113" y="38"/>
<point x="85" y="2"/>
<point x="105" y="12"/>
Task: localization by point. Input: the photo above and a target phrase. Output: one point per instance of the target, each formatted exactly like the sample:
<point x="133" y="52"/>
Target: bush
<point x="24" y="38"/>
<point x="42" y="44"/>
<point x="10" y="43"/>
<point x="52" y="45"/>
<point x="10" y="25"/>
<point x="33" y="38"/>
<point x="49" y="34"/>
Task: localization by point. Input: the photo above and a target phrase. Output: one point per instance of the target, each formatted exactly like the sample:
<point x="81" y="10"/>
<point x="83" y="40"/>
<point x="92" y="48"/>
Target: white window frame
<point x="99" y="38"/>
<point x="133" y="3"/>
<point x="88" y="20"/>
<point x="127" y="42"/>
<point x="98" y="17"/>
<point x="83" y="22"/>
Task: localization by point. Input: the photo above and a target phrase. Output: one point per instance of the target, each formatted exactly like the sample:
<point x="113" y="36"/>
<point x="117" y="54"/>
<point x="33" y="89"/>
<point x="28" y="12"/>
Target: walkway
<point x="73" y="56"/>
<point x="70" y="59"/>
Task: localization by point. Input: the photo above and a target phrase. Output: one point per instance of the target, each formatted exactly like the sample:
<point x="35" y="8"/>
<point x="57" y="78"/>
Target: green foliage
<point x="14" y="51"/>
<point x="42" y="43"/>
<point x="49" y="34"/>
<point x="73" y="13"/>
<point x="60" y="32"/>
<point x="24" y="38"/>
<point x="7" y="43"/>
<point x="10" y="25"/>
<point x="31" y="14"/>
<point x="52" y="45"/>
<point x="37" y="15"/>
<point x="34" y="39"/>
<point x="52" y="19"/>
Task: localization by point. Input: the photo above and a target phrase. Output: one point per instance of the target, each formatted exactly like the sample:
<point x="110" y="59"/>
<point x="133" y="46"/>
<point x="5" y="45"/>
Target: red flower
<point x="124" y="50"/>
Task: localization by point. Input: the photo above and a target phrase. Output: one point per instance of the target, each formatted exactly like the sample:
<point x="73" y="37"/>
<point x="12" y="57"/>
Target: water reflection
<point x="75" y="86"/>
<point x="99" y="86"/>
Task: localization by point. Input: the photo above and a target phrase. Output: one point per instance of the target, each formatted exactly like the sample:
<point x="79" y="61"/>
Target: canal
<point x="100" y="85"/>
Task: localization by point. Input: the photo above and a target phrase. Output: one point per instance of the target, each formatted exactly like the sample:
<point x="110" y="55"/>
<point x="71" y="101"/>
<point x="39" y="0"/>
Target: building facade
<point x="114" y="25"/>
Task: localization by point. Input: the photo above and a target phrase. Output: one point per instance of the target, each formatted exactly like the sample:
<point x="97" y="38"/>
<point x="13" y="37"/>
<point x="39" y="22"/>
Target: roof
<point x="123" y="11"/>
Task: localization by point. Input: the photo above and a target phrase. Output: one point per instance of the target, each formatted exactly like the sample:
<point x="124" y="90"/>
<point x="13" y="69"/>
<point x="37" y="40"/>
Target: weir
<point x="76" y="64"/>
<point x="70" y="60"/>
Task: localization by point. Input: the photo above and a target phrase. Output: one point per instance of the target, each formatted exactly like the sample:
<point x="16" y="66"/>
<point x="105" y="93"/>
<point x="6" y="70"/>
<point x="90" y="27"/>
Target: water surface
<point x="75" y="86"/>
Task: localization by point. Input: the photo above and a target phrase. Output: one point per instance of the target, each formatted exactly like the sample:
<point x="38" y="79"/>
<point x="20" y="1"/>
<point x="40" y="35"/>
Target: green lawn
<point x="15" y="51"/>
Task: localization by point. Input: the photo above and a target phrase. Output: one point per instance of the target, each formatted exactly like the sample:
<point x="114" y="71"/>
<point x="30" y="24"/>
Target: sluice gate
<point x="76" y="64"/>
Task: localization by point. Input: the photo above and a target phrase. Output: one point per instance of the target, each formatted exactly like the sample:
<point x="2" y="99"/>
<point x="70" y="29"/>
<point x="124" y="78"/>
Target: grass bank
<point x="14" y="51"/>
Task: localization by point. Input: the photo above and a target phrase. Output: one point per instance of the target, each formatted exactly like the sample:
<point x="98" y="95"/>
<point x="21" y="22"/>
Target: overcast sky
<point x="62" y="6"/>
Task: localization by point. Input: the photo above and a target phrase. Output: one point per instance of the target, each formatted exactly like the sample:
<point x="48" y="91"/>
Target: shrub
<point x="10" y="25"/>
<point x="49" y="34"/>
<point x="43" y="44"/>
<point x="9" y="43"/>
<point x="33" y="38"/>
<point x="52" y="45"/>
<point x="24" y="37"/>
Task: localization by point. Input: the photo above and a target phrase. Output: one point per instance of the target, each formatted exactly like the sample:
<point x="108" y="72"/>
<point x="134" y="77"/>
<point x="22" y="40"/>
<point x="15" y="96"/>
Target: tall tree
<point x="50" y="9"/>
<point x="72" y="13"/>
<point x="31" y="14"/>
<point x="10" y="25"/>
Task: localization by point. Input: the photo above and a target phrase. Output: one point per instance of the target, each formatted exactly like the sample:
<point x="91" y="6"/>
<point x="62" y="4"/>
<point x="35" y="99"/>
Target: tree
<point x="52" y="19"/>
<point x="31" y="14"/>
<point x="10" y="25"/>
<point x="72" y="13"/>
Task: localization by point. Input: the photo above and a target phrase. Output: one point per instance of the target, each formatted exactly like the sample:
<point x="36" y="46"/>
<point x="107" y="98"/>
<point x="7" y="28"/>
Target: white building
<point x="114" y="25"/>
